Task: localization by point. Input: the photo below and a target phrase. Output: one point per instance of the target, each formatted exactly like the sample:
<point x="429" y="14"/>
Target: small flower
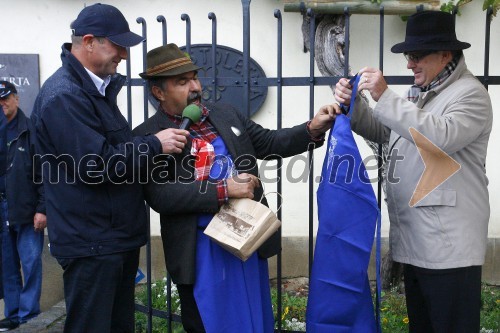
<point x="406" y="320"/>
<point x="384" y="321"/>
<point x="285" y="313"/>
<point x="384" y="309"/>
<point x="497" y="301"/>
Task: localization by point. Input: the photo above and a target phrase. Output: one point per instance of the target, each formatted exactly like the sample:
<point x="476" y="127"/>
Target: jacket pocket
<point x="435" y="205"/>
<point x="439" y="198"/>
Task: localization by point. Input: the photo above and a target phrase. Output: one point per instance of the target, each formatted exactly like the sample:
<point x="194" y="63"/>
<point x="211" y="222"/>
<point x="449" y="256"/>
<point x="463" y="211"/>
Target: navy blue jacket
<point x="91" y="165"/>
<point x="23" y="188"/>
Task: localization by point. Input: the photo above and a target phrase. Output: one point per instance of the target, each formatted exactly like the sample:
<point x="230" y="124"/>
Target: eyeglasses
<point x="417" y="56"/>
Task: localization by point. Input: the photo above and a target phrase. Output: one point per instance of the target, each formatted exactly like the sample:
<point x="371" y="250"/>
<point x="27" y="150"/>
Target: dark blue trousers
<point x="99" y="293"/>
<point x="190" y="315"/>
<point x="443" y="300"/>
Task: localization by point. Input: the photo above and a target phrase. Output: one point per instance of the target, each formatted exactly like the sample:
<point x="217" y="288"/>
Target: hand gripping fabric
<point x="339" y="291"/>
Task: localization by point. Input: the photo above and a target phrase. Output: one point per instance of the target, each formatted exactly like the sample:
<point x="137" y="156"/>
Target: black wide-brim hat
<point x="430" y="31"/>
<point x="167" y="60"/>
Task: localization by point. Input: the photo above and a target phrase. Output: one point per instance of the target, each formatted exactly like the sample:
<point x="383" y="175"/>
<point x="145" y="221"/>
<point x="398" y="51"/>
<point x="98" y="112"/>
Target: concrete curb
<point x="50" y="321"/>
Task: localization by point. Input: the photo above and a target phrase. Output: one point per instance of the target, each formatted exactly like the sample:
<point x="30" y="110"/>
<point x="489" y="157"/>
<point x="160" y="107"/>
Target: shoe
<point x="8" y="324"/>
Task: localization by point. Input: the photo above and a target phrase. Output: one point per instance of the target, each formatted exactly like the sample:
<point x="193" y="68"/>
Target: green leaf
<point x="488" y="3"/>
<point x="495" y="4"/>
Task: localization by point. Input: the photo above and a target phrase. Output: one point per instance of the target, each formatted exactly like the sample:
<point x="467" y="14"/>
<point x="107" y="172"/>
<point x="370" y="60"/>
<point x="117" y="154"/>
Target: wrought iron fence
<point x="246" y="83"/>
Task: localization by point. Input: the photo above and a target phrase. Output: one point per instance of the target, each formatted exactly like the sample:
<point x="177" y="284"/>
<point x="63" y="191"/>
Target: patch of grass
<point x="159" y="301"/>
<point x="393" y="309"/>
<point x="490" y="308"/>
<point x="393" y="314"/>
<point x="293" y="316"/>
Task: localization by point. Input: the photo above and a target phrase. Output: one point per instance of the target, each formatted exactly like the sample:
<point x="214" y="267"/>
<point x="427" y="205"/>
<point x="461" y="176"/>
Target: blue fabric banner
<point x="232" y="295"/>
<point x="339" y="291"/>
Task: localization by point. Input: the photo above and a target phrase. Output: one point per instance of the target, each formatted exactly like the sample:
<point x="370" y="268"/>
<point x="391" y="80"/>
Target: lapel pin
<point x="235" y="131"/>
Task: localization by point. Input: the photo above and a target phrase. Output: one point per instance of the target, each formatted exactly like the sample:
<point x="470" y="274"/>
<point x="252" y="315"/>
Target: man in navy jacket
<point x="22" y="209"/>
<point x="91" y="170"/>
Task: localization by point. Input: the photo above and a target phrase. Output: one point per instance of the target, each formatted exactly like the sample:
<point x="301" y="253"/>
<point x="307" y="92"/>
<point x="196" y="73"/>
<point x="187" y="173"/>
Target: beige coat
<point x="447" y="228"/>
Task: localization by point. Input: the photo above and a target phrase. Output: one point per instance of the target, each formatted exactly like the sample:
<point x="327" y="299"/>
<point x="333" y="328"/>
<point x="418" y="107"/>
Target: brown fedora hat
<point x="167" y="60"/>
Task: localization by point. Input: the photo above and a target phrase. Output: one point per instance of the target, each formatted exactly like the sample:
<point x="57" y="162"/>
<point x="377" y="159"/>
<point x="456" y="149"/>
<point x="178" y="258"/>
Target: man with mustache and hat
<point x="91" y="169"/>
<point x="447" y="115"/>
<point x="218" y="292"/>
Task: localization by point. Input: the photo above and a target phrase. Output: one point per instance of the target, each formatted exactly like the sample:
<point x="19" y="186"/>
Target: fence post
<point x="246" y="56"/>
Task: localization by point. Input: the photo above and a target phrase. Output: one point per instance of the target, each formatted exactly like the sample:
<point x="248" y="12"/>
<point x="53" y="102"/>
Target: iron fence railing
<point x="246" y="82"/>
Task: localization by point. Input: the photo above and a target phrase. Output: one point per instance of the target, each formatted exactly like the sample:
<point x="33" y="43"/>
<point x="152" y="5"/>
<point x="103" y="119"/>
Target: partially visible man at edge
<point x="441" y="239"/>
<point x="91" y="165"/>
<point x="22" y="208"/>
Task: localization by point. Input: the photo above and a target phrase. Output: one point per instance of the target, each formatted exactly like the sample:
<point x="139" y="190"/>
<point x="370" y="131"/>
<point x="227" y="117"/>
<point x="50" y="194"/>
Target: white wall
<point x="42" y="26"/>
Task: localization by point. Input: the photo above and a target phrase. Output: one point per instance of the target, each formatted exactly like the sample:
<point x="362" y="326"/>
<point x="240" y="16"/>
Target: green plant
<point x="449" y="6"/>
<point x="159" y="294"/>
<point x="495" y="4"/>
<point x="393" y="314"/>
<point x="490" y="307"/>
<point x="394" y="318"/>
<point x="293" y="315"/>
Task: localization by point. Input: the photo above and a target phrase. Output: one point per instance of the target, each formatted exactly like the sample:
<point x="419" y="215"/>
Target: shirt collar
<point x="100" y="84"/>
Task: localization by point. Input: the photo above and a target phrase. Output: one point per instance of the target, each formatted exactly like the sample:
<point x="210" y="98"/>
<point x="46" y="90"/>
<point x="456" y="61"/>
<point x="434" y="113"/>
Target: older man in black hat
<point x="218" y="292"/>
<point x="439" y="211"/>
<point x="91" y="168"/>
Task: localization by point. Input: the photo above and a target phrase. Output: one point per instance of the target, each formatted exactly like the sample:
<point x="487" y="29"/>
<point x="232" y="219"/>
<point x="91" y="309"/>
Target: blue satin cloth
<point x="232" y="295"/>
<point x="339" y="291"/>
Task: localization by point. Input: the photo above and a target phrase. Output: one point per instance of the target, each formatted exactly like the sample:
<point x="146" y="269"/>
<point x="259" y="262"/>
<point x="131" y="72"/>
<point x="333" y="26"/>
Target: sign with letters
<point x="22" y="70"/>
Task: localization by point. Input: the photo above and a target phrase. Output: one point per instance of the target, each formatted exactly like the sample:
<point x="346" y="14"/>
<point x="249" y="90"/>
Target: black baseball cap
<point x="6" y="88"/>
<point x="107" y="21"/>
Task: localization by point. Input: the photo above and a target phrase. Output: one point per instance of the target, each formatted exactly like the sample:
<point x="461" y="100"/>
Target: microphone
<point x="190" y="115"/>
